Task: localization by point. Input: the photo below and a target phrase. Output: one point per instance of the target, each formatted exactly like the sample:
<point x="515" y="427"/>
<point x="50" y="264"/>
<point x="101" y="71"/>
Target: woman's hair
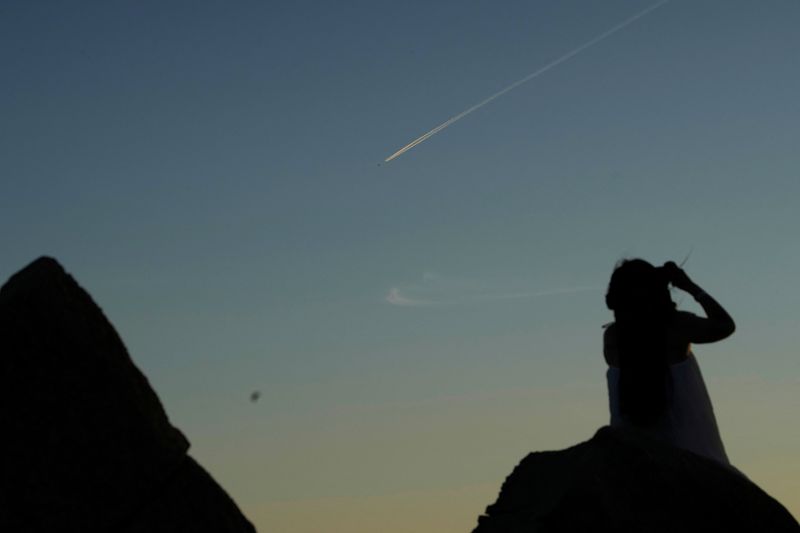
<point x="638" y="293"/>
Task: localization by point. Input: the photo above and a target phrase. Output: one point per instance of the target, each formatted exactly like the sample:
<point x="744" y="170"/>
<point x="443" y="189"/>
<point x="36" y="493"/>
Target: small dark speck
<point x="254" y="396"/>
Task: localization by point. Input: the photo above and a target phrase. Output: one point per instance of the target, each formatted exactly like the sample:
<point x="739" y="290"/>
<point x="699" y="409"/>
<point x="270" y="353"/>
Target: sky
<point x="213" y="174"/>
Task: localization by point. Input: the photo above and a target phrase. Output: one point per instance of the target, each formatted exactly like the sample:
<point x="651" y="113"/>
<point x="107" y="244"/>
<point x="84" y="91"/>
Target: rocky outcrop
<point x="86" y="445"/>
<point x="620" y="481"/>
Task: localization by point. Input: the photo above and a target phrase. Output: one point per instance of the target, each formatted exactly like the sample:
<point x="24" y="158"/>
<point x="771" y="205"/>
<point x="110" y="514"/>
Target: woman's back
<point x="688" y="421"/>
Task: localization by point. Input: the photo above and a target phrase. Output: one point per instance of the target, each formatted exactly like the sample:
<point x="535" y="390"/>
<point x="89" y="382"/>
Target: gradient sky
<point x="209" y="171"/>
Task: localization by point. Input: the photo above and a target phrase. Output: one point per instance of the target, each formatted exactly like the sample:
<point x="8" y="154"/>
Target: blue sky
<point x="210" y="173"/>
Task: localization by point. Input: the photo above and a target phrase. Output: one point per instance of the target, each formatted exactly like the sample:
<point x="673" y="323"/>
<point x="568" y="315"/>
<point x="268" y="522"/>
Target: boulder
<point x="622" y="481"/>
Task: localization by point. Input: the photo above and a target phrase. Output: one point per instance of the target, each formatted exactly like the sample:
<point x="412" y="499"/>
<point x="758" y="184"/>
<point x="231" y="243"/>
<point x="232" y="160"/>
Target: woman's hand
<point x="678" y="278"/>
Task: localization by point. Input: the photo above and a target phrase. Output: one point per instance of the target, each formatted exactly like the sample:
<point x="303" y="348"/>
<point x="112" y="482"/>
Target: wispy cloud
<point x="435" y="290"/>
<point x="394" y="297"/>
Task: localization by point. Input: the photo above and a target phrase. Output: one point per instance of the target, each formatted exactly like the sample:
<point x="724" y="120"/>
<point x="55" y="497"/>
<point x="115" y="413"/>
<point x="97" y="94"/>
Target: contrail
<point x="529" y="77"/>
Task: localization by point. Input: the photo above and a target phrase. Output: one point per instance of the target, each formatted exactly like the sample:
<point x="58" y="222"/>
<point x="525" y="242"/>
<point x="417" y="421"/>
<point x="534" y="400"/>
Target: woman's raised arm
<point x="717" y="324"/>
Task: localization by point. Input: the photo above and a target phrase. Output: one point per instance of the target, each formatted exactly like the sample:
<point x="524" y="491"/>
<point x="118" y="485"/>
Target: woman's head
<point x="638" y="287"/>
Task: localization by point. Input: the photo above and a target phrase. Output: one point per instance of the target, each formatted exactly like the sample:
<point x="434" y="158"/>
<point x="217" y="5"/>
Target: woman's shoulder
<point x="689" y="327"/>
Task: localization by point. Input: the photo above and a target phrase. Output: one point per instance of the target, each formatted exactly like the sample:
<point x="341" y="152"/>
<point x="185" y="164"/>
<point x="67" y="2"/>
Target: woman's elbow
<point x="727" y="329"/>
<point x="720" y="330"/>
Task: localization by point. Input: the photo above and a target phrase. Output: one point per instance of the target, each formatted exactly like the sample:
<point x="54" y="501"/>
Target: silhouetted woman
<point x="654" y="382"/>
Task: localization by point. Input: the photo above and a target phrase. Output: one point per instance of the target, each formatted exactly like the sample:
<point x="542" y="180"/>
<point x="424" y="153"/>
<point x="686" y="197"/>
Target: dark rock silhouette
<point x="86" y="445"/>
<point x="620" y="481"/>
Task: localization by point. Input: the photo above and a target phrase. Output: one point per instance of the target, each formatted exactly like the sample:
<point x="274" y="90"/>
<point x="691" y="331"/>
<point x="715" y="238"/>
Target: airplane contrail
<point x="529" y="77"/>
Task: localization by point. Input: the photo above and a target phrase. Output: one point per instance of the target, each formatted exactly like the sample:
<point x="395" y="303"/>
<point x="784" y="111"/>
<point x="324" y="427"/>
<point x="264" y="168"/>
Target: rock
<point x="620" y="481"/>
<point x="86" y="445"/>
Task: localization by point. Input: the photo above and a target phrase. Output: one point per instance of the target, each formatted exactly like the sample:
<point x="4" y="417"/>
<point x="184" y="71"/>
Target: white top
<point x="688" y="421"/>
